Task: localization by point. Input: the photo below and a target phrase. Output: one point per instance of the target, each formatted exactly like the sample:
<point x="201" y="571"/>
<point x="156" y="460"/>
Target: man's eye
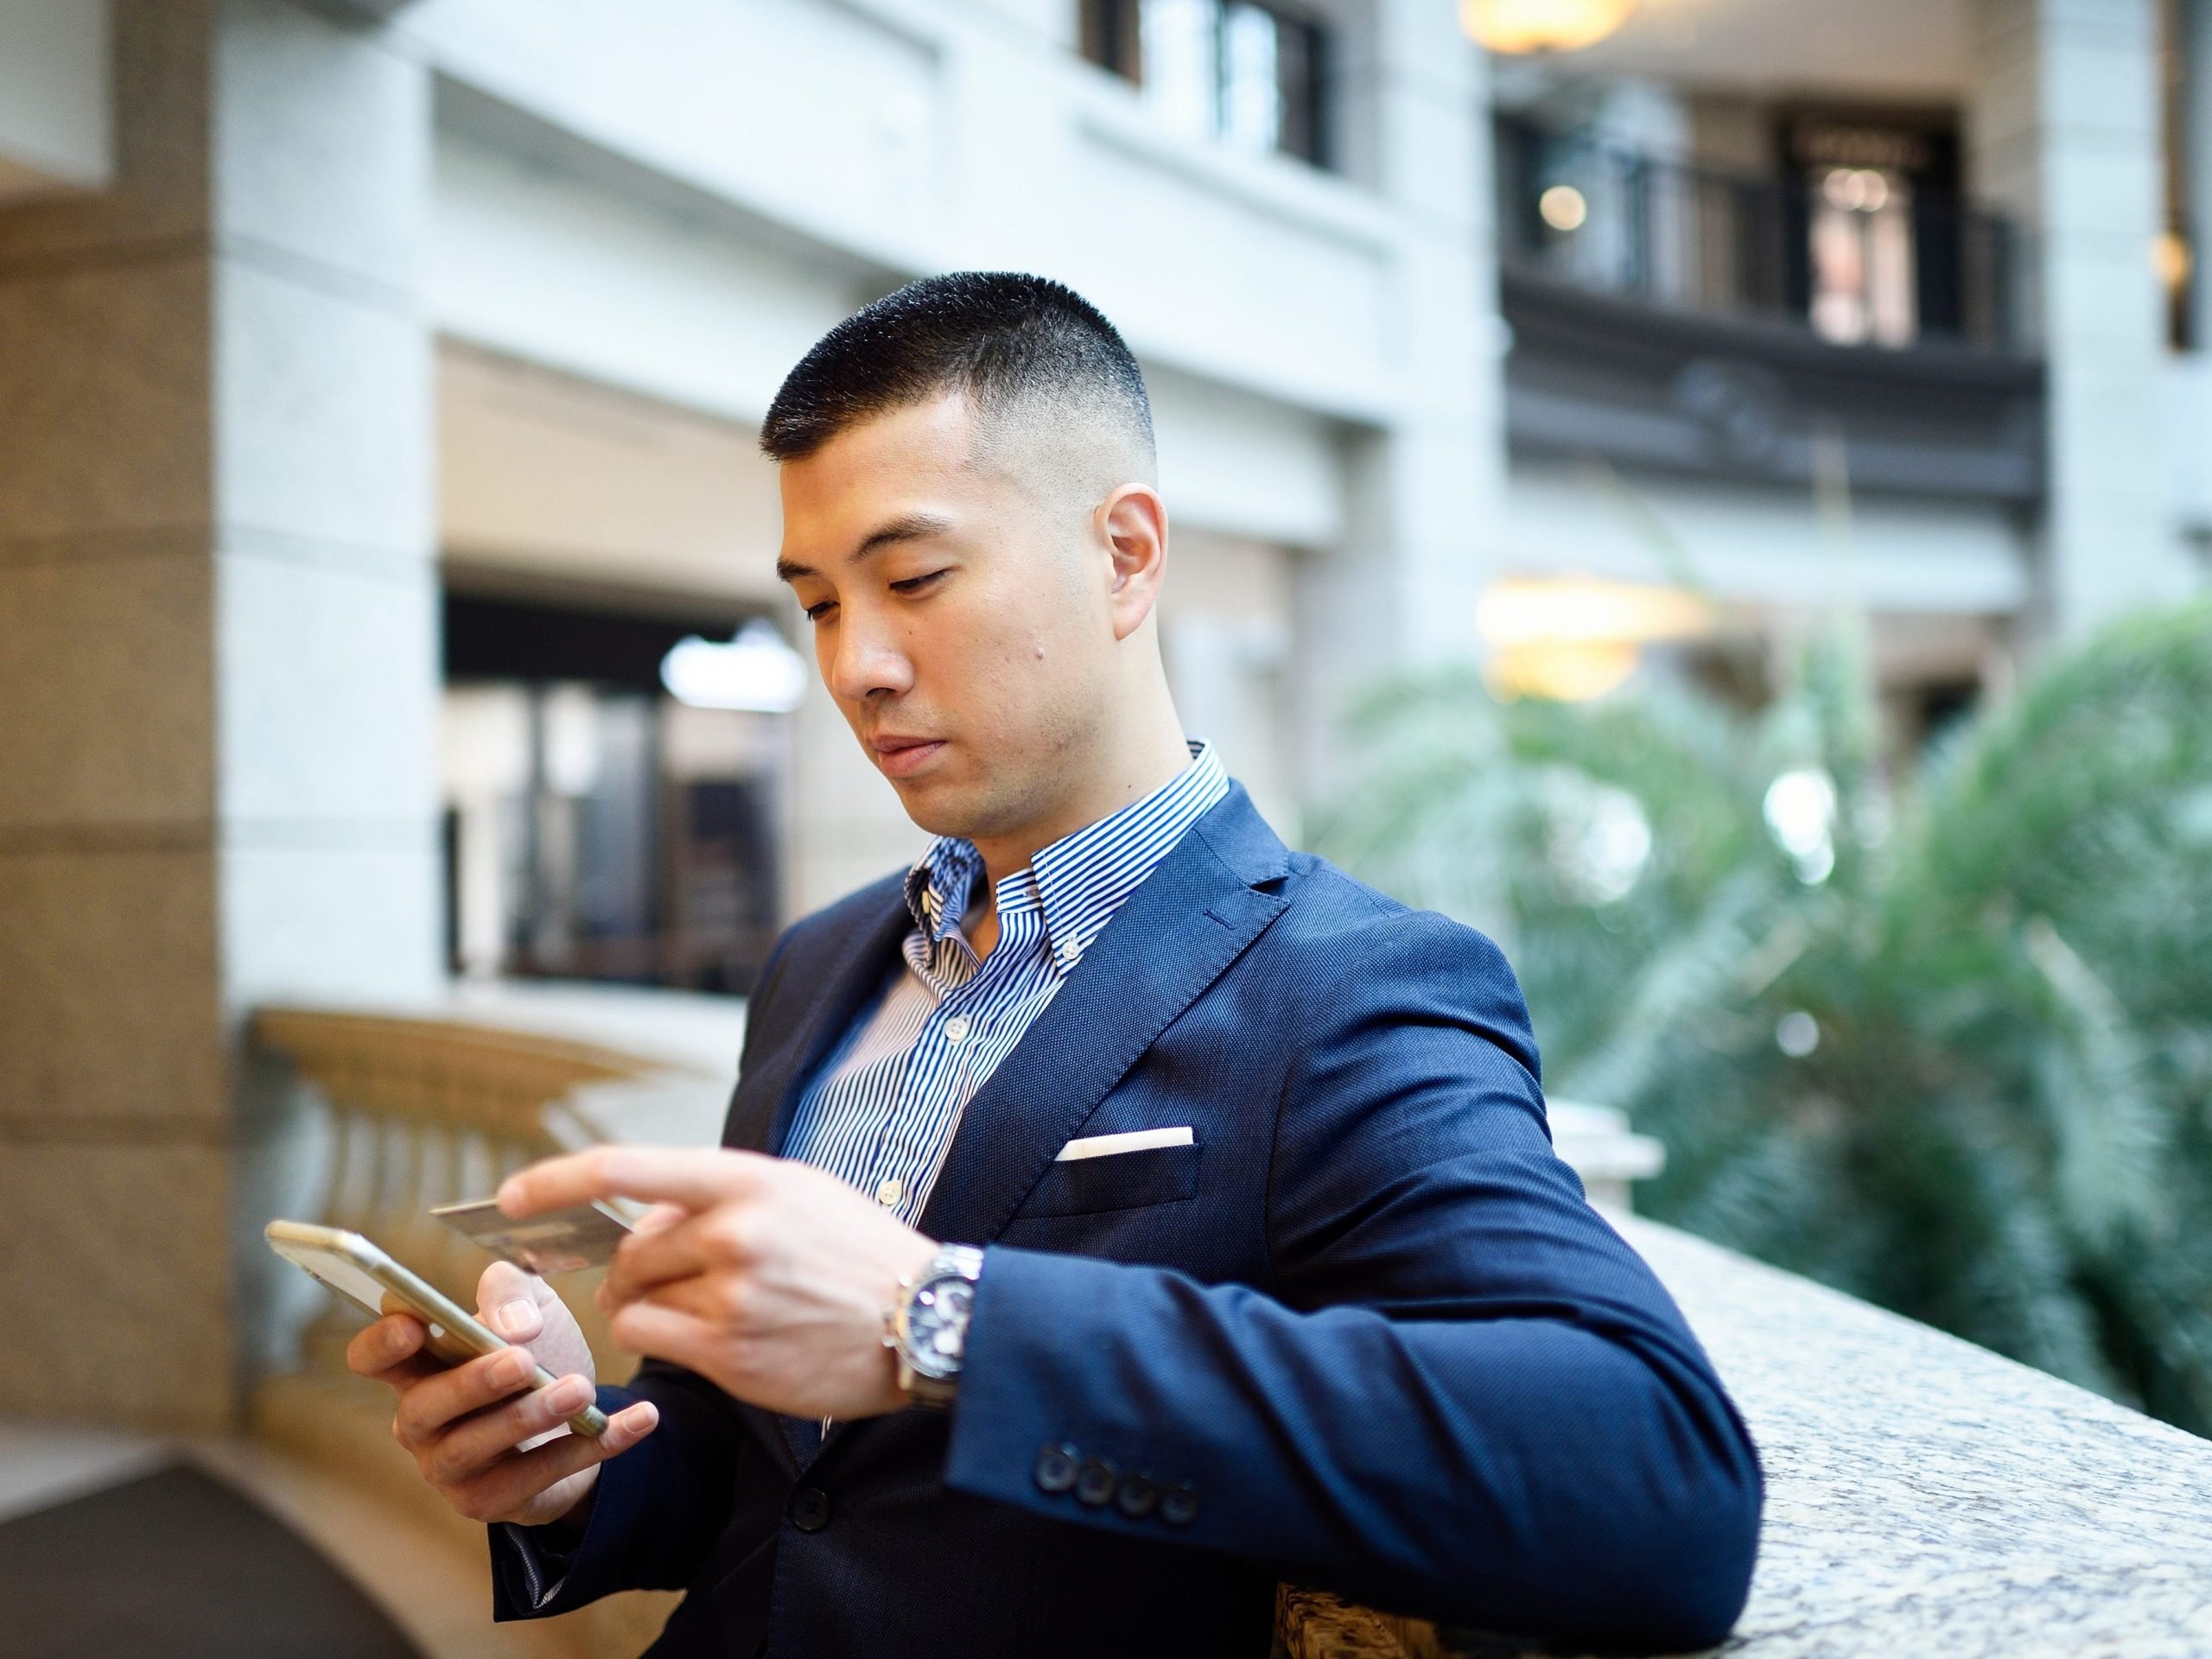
<point x="916" y="584"/>
<point x="815" y="612"/>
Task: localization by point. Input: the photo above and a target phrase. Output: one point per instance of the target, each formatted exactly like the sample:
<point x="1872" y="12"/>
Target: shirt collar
<point x="1081" y="879"/>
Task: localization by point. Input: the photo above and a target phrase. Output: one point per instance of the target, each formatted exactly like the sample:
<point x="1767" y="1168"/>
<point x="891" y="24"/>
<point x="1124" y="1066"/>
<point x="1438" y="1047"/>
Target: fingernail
<point x="515" y="1318"/>
<point x="569" y="1394"/>
<point x="637" y="1419"/>
<point x="513" y="1366"/>
<point x="508" y="1195"/>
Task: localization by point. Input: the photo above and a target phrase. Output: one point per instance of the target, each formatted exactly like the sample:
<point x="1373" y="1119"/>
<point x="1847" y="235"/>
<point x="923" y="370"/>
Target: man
<point x="1206" y="1195"/>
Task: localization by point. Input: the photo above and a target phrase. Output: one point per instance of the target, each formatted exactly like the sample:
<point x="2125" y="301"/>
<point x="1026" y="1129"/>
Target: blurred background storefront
<point x="385" y="589"/>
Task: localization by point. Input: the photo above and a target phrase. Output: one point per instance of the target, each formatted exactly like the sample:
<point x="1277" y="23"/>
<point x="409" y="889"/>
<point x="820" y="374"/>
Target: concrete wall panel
<point x="324" y="405"/>
<point x="541" y="475"/>
<point x="299" y="92"/>
<point x="827" y="118"/>
<point x="328" y="697"/>
<point x="550" y="268"/>
<point x="1766" y="546"/>
<point x="351" y="913"/>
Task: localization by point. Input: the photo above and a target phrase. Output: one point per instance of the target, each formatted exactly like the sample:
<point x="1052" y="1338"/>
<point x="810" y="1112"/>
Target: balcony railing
<point x="1929" y="268"/>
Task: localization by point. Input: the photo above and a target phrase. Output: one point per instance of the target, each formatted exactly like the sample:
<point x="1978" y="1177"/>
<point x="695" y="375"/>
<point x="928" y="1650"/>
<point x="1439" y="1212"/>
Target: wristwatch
<point x="927" y="1326"/>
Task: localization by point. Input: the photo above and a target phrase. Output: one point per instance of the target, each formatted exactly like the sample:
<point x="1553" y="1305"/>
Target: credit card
<point x="560" y="1241"/>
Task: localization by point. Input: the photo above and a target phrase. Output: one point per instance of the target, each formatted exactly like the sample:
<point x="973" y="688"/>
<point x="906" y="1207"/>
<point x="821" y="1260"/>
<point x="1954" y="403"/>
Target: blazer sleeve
<point x="1462" y="1398"/>
<point x="656" y="1510"/>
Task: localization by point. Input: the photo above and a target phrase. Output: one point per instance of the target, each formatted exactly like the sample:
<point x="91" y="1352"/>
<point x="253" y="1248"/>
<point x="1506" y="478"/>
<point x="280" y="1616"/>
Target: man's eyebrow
<point x="907" y="527"/>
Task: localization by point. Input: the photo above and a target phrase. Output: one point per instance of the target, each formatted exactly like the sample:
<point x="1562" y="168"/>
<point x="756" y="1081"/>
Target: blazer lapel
<point x="767" y="1093"/>
<point x="769" y="1087"/>
<point x="1188" y="920"/>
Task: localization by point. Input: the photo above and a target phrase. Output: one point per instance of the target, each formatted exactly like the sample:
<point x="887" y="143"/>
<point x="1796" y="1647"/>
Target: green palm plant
<point x="1946" y="1045"/>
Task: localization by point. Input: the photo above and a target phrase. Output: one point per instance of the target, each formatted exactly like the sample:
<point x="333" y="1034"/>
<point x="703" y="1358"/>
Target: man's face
<point x="961" y="618"/>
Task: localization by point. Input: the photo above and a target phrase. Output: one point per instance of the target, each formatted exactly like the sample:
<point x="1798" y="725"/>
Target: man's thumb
<point x="507" y="1301"/>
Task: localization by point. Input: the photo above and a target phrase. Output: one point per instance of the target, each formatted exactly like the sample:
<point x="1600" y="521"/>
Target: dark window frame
<point x="1110" y="34"/>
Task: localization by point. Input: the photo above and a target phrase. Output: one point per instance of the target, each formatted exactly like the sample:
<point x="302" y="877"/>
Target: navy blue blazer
<point x="1366" y="1327"/>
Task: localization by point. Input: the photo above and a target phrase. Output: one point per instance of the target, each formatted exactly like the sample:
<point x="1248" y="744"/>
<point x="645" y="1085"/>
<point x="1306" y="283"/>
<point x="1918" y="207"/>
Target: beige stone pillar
<point x="218" y="666"/>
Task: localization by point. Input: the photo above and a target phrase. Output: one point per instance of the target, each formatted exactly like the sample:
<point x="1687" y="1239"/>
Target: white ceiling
<point x="1893" y="50"/>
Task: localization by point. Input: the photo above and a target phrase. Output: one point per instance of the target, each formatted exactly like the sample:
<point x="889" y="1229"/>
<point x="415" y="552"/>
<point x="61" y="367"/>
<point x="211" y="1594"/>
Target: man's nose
<point x="868" y="662"/>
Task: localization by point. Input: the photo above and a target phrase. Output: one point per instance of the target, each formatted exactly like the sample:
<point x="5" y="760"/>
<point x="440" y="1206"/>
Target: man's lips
<point x="900" y="757"/>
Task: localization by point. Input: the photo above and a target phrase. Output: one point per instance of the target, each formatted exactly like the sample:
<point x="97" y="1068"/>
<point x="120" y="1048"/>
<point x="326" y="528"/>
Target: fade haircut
<point x="1035" y="360"/>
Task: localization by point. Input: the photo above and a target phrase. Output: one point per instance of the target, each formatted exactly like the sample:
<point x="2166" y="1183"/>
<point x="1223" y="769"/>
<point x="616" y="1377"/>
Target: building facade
<point x="381" y="382"/>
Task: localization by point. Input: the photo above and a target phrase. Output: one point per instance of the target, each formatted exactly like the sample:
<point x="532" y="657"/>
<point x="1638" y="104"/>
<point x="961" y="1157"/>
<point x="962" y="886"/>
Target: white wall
<point x="541" y="477"/>
<point x="909" y="137"/>
<point x="1769" y="547"/>
<point x="533" y="261"/>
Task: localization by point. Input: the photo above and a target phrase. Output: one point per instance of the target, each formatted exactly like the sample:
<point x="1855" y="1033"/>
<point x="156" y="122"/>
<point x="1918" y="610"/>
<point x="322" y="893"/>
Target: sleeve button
<point x="1094" y="1481"/>
<point x="1056" y="1468"/>
<point x="1138" y="1497"/>
<point x="1178" y="1504"/>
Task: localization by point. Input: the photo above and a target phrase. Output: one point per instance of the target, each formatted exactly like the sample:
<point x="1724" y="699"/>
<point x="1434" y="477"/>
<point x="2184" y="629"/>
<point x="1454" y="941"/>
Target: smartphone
<point x="361" y="1273"/>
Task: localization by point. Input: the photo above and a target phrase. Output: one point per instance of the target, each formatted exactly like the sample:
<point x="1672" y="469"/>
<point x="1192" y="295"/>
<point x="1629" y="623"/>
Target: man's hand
<point x="767" y="1277"/>
<point x="464" y="1426"/>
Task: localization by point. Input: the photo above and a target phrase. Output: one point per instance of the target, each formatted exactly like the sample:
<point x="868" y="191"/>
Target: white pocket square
<point x="1105" y="1146"/>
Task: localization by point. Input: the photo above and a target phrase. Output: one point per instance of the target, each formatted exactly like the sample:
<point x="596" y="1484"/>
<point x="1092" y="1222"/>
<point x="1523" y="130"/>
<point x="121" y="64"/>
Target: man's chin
<point x="946" y="806"/>
<point x="937" y="805"/>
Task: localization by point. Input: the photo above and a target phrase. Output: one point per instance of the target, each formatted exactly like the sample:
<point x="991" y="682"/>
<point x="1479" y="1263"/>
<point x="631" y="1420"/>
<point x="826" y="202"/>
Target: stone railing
<point x="435" y="1104"/>
<point x="1923" y="1496"/>
<point x="429" y="1104"/>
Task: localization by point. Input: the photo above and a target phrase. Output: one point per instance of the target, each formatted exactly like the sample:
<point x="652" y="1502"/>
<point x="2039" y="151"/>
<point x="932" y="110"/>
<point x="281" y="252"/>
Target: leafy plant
<point x="1946" y="1046"/>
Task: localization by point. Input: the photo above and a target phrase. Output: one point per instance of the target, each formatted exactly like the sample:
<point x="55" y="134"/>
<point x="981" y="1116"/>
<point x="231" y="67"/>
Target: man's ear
<point x="1133" y="520"/>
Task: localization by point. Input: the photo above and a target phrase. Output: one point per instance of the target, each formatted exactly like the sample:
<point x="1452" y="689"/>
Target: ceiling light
<point x="1576" y="637"/>
<point x="756" y="672"/>
<point x="1516" y="25"/>
<point x="1563" y="207"/>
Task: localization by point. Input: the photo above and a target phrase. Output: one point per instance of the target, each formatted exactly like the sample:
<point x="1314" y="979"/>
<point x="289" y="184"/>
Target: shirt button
<point x="955" y="1029"/>
<point x="810" y="1509"/>
<point x="889" y="1191"/>
<point x="1056" y="1468"/>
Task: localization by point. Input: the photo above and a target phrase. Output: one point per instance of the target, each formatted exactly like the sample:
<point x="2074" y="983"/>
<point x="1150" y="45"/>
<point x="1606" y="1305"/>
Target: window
<point x="1862" y="251"/>
<point x="1248" y="74"/>
<point x="597" y="828"/>
<point x="1890" y="253"/>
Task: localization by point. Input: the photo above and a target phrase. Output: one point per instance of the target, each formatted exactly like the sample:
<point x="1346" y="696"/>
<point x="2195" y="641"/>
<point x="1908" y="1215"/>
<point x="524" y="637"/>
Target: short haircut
<point x="1013" y="344"/>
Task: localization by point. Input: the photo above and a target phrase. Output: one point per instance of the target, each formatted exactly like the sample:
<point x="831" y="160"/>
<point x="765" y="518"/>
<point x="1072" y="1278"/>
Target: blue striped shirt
<point x="884" y="1110"/>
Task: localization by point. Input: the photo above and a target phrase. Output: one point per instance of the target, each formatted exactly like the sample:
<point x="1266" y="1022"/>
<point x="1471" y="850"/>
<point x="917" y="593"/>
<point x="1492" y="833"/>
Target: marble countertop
<point x="1926" y="1497"/>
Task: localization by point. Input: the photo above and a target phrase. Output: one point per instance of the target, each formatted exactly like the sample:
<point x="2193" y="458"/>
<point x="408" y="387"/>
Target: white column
<point x="2064" y="134"/>
<point x="2194" y="46"/>
<point x="1427" y="491"/>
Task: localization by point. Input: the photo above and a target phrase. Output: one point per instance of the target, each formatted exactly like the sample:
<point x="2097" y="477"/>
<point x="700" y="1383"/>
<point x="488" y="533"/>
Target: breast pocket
<point x="1128" y="1180"/>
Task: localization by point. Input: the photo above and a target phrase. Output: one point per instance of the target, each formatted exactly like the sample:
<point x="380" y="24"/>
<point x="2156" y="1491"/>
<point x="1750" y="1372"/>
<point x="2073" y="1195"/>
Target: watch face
<point x="937" y="1325"/>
